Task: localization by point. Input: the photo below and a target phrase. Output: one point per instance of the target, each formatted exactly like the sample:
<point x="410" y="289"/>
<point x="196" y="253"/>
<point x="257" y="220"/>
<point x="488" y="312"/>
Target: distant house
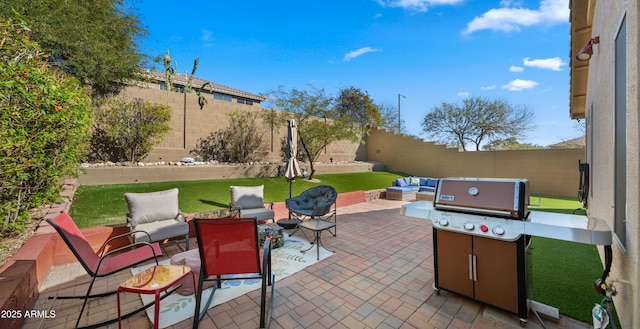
<point x="218" y="91"/>
<point x="569" y="144"/>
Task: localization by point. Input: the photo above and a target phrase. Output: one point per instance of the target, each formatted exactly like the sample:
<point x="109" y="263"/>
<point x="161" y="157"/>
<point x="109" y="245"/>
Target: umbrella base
<point x="288" y="224"/>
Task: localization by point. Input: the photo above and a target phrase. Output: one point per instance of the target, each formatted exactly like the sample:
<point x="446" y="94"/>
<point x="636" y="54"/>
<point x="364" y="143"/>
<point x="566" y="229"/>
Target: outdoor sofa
<point x="411" y="188"/>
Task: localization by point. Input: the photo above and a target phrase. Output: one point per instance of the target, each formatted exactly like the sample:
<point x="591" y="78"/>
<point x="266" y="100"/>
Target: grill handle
<point x="473" y="275"/>
<point x="475" y="268"/>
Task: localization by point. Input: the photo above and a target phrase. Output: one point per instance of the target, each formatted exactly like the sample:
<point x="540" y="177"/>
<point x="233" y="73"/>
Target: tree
<point x="44" y="119"/>
<point x="509" y="144"/>
<point x="319" y="123"/>
<point x="355" y="106"/>
<point x="389" y="116"/>
<point x="127" y="129"/>
<point x="476" y="120"/>
<point x="95" y="41"/>
<point x="240" y="142"/>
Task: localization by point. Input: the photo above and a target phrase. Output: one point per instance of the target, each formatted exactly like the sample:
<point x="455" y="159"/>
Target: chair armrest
<point x="270" y="204"/>
<point x="182" y="216"/>
<point x="131" y="222"/>
<point x="266" y="259"/>
<point x="128" y="234"/>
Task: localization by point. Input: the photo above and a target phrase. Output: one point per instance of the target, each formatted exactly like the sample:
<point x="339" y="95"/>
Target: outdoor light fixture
<point x="585" y="53"/>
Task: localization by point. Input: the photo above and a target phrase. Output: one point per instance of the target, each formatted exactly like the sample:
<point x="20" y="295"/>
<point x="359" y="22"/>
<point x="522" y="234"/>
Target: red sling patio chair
<point x="228" y="247"/>
<point x="103" y="264"/>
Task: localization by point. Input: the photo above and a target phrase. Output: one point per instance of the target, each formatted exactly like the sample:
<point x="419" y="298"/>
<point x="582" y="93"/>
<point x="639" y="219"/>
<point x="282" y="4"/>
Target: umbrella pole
<point x="289" y="197"/>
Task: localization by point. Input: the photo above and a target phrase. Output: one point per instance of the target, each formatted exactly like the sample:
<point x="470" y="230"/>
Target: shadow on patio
<point x="380" y="277"/>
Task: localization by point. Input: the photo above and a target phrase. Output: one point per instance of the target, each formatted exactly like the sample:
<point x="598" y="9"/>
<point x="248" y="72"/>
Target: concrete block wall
<point x="200" y="123"/>
<point x="550" y="171"/>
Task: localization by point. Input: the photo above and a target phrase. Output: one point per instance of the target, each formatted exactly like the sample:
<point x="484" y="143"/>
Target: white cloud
<point x="516" y="69"/>
<point x="554" y="63"/>
<point x="417" y="5"/>
<point x="488" y="87"/>
<point x="206" y="35"/>
<point x="519" y="85"/>
<point x="356" y="53"/>
<point x="464" y="94"/>
<point x="508" y="19"/>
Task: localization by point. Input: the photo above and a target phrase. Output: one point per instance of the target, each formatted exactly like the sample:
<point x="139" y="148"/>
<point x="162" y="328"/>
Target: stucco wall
<point x="549" y="171"/>
<point x="600" y="146"/>
<point x="213" y="117"/>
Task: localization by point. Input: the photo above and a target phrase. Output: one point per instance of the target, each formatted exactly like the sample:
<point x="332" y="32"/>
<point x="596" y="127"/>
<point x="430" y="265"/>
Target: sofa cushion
<point x="427" y="189"/>
<point x="400" y="182"/>
<point x="403" y="189"/>
<point x="152" y="206"/>
<point x="161" y="230"/>
<point x="432" y="182"/>
<point x="414" y="181"/>
<point x="259" y="214"/>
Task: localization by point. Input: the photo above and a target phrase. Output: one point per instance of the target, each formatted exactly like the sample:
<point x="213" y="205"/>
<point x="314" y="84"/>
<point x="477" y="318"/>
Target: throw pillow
<point x="247" y="197"/>
<point x="414" y="181"/>
<point x="400" y="182"/>
<point x="152" y="206"/>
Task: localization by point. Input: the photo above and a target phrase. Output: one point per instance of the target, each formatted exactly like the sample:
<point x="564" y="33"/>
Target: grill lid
<point x="504" y="197"/>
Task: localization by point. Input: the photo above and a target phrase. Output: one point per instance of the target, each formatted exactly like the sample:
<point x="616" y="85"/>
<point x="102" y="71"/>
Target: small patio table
<point x="317" y="226"/>
<point x="154" y="280"/>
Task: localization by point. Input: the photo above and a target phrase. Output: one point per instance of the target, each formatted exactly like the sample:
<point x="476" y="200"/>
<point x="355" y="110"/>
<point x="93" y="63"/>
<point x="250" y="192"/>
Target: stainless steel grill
<point x="482" y="230"/>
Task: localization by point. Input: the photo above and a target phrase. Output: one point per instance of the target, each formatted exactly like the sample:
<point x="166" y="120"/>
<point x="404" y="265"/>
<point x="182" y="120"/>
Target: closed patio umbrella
<point x="293" y="168"/>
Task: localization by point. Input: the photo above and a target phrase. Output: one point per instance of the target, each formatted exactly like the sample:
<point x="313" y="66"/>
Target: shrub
<point x="44" y="119"/>
<point x="240" y="142"/>
<point x="127" y="129"/>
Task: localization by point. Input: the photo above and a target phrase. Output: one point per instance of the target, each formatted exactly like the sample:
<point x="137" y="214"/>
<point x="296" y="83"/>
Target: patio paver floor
<point x="380" y="277"/>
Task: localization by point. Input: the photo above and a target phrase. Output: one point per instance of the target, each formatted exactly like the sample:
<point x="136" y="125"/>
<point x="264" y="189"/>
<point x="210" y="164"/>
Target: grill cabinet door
<point x="497" y="273"/>
<point x="452" y="257"/>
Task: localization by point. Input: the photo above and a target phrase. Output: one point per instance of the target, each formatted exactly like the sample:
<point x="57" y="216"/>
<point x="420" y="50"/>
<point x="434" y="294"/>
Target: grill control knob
<point x="444" y="222"/>
<point x="498" y="230"/>
<point x="469" y="226"/>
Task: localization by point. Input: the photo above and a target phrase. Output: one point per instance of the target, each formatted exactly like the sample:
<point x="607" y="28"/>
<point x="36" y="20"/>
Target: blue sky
<point x="430" y="51"/>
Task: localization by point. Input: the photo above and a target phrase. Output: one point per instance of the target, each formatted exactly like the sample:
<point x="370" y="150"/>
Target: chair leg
<point x="86" y="298"/>
<point x="296" y="229"/>
<point x="197" y="315"/>
<point x="263" y="300"/>
<point x="186" y="241"/>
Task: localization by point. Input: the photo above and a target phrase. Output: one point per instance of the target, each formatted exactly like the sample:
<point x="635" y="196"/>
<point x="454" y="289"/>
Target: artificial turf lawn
<point x="563" y="272"/>
<point x="105" y="204"/>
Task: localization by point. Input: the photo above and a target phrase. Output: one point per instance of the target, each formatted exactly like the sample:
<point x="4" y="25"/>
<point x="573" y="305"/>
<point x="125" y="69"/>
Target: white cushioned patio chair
<point x="248" y="202"/>
<point x="157" y="214"/>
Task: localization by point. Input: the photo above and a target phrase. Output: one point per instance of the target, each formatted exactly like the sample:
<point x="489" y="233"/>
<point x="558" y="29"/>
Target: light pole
<point x="399" y="110"/>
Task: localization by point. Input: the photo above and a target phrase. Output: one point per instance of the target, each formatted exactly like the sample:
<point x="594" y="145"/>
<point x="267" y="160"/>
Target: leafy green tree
<point x="476" y="120"/>
<point x="240" y="142"/>
<point x="319" y="123"/>
<point x="95" y="41"/>
<point x="509" y="144"/>
<point x="127" y="129"/>
<point x="44" y="119"/>
<point x="355" y="106"/>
